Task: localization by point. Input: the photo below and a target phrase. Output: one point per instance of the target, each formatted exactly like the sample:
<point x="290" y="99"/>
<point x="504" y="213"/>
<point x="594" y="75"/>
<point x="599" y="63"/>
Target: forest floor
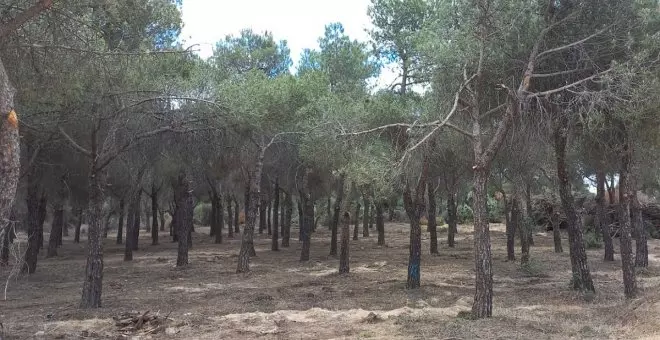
<point x="285" y="299"/>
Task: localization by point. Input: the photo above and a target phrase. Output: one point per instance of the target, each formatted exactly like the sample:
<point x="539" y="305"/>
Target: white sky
<point x="299" y="22"/>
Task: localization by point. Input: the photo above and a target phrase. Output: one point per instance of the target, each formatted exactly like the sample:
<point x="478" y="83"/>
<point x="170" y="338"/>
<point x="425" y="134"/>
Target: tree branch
<point x="74" y="144"/>
<point x="567" y="46"/>
<point x="565" y="87"/>
<point x="23" y="17"/>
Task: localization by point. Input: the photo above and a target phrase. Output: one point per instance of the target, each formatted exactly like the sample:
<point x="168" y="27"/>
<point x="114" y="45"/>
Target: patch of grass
<point x="464" y="314"/>
<point x="533" y="268"/>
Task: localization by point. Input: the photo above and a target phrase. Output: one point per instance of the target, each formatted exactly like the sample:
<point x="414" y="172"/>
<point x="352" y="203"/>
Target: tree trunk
<point x="641" y="244"/>
<point x="10" y="162"/>
<point x="556" y="231"/>
<point x="275" y="240"/>
<point x="511" y="226"/>
<point x="230" y="218"/>
<point x="300" y="218"/>
<point x="43" y="205"/>
<point x="601" y="217"/>
<point x="380" y="223"/>
<point x="120" y="223"/>
<point x="483" y="298"/>
<point x="4" y="246"/>
<point x="219" y="215"/>
<point x="356" y="228"/>
<point x="330" y="217"/>
<point x="76" y="237"/>
<point x="580" y="267"/>
<point x="286" y="227"/>
<point x="414" y="209"/>
<point x="31" y="255"/>
<point x="452" y="219"/>
<point x="161" y="215"/>
<point x="263" y="205"/>
<point x="154" y="215"/>
<point x="611" y="190"/>
<point x="521" y="223"/>
<point x="130" y="230"/>
<point x="344" y="264"/>
<point x="184" y="218"/>
<point x="526" y="223"/>
<point x="252" y="207"/>
<point x="334" y="224"/>
<point x="237" y="210"/>
<point x="55" y="230"/>
<point x="93" y="284"/>
<point x="269" y="214"/>
<point x="625" y="240"/>
<point x="432" y="224"/>
<point x="136" y="221"/>
<point x="366" y="216"/>
<point x="308" y="218"/>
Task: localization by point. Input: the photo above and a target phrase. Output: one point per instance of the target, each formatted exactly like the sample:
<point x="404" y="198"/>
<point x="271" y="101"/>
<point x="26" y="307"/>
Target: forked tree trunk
<point x="432" y="224"/>
<point x="601" y="217"/>
<point x="252" y="207"/>
<point x="184" y="218"/>
<point x="625" y="240"/>
<point x="230" y="218"/>
<point x="286" y="227"/>
<point x="641" y="244"/>
<point x="366" y="216"/>
<point x="334" y="223"/>
<point x="120" y="223"/>
<point x="76" y="237"/>
<point x="344" y="259"/>
<point x="452" y="219"/>
<point x="356" y="228"/>
<point x="581" y="278"/>
<point x="275" y="240"/>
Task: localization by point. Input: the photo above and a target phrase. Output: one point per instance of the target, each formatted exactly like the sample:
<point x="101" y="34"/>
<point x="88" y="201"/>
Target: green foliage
<point x="495" y="211"/>
<point x="465" y="213"/>
<point x="593" y="240"/>
<point x="202" y="214"/>
<point x="533" y="268"/>
<point x="252" y="52"/>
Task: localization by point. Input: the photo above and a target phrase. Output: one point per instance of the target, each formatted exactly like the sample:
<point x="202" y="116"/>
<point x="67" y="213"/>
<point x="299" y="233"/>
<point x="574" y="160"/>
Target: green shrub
<point x="533" y="268"/>
<point x="202" y="214"/>
<point x="592" y="240"/>
<point x="465" y="214"/>
<point x="495" y="211"/>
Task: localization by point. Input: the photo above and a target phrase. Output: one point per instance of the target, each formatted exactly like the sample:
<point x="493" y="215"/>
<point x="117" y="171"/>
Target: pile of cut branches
<point x="140" y="323"/>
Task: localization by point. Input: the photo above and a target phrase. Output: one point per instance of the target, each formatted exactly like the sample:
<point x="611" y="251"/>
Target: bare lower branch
<point x="105" y="53"/>
<point x="575" y="43"/>
<point x="566" y="87"/>
<point x="74" y="144"/>
<point x="24" y="16"/>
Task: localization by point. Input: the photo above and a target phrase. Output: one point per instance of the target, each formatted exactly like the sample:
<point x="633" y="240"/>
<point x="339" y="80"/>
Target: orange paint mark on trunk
<point x="12" y="119"/>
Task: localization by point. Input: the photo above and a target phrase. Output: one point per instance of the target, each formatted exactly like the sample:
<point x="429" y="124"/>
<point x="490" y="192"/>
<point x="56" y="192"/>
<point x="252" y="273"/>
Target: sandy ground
<point x="285" y="299"/>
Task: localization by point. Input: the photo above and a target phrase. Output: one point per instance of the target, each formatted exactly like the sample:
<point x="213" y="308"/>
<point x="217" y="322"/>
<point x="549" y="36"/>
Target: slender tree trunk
<point x="452" y="219"/>
<point x="286" y="227"/>
<point x="230" y="218"/>
<point x="380" y="223"/>
<point x="366" y="217"/>
<point x="4" y="246"/>
<point x="611" y="190"/>
<point x="93" y="284"/>
<point x="641" y="244"/>
<point x="300" y="218"/>
<point x="120" y="223"/>
<point x="524" y="233"/>
<point x="76" y="237"/>
<point x="511" y="226"/>
<point x="130" y="230"/>
<point x="252" y="207"/>
<point x="308" y="218"/>
<point x="161" y="215"/>
<point x="55" y="230"/>
<point x="528" y="214"/>
<point x="237" y="210"/>
<point x="262" y="215"/>
<point x="31" y="255"/>
<point x="275" y="240"/>
<point x="334" y="224"/>
<point x="580" y="267"/>
<point x="356" y="228"/>
<point x="625" y="240"/>
<point x="43" y="205"/>
<point x="556" y="231"/>
<point x="269" y="214"/>
<point x="219" y="223"/>
<point x="154" y="215"/>
<point x="601" y="217"/>
<point x="184" y="218"/>
<point x="136" y="221"/>
<point x="213" y="218"/>
<point x="344" y="261"/>
<point x="328" y="210"/>
<point x="432" y="224"/>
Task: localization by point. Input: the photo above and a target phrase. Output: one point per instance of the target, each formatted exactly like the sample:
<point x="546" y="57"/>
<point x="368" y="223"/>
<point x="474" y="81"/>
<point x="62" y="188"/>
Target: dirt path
<point x="285" y="299"/>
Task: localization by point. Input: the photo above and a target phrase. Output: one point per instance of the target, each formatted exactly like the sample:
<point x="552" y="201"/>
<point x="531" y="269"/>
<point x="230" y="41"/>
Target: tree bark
<point x="380" y="222"/>
<point x="184" y="218"/>
<point x="334" y="224"/>
<point x="237" y="211"/>
<point x="344" y="260"/>
<point x="356" y="228"/>
<point x="511" y="226"/>
<point x="154" y="215"/>
<point x="601" y="217"/>
<point x="580" y="267"/>
<point x="432" y="224"/>
<point x="93" y="284"/>
<point x="275" y="240"/>
<point x="625" y="240"/>
<point x="76" y="237"/>
<point x="366" y="216"/>
<point x="161" y="215"/>
<point x="526" y="223"/>
<point x="219" y="215"/>
<point x="308" y="218"/>
<point x="300" y="217"/>
<point x="452" y="219"/>
<point x="253" y="194"/>
<point x="641" y="243"/>
<point x="263" y="205"/>
<point x="521" y="223"/>
<point x="230" y="218"/>
<point x="269" y="214"/>
<point x="556" y="231"/>
<point x="483" y="299"/>
<point x="31" y="254"/>
<point x="130" y="229"/>
<point x="136" y="221"/>
<point x="120" y="223"/>
<point x="55" y="230"/>
<point x="286" y="227"/>
<point x="43" y="205"/>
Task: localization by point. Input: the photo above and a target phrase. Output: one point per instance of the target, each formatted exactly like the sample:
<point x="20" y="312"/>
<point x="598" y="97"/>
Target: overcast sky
<point x="299" y="22"/>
